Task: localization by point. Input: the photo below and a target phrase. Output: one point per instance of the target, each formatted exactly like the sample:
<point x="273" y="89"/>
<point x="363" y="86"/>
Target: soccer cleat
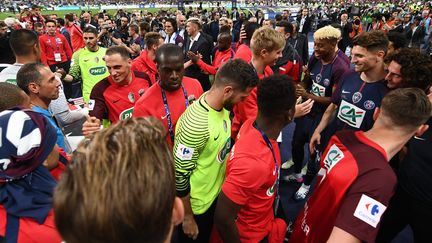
<point x="302" y="192"/>
<point x="287" y="164"/>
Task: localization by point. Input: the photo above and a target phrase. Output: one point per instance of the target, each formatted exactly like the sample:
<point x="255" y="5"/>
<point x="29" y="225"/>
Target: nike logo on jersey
<point x="115" y="101"/>
<point x="345" y="92"/>
<point x="216" y="138"/>
<point x="163" y="117"/>
<point x="419" y="138"/>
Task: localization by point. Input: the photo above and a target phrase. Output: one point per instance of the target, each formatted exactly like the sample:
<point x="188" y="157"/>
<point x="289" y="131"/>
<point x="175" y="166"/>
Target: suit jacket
<point x="204" y="46"/>
<point x="346" y="40"/>
<point x="306" y="26"/>
<point x="416" y="39"/>
<point x="66" y="34"/>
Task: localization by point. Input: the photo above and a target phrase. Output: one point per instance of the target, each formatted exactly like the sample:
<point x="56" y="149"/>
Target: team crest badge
<point x="96" y="59"/>
<point x="131" y="97"/>
<point x="326" y="82"/>
<point x="357" y="96"/>
<point x="225" y="126"/>
<point x="369" y="104"/>
<point x="318" y="78"/>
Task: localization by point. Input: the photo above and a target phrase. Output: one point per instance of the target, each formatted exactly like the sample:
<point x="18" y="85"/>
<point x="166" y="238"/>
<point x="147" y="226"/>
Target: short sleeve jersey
<point x="90" y="67"/>
<point x="351" y="193"/>
<point x="151" y="103"/>
<point x="244" y="52"/>
<point x="250" y="182"/>
<point x="114" y="102"/>
<point x="356" y="101"/>
<point x="201" y="147"/>
<point x="324" y="78"/>
<point x="247" y="108"/>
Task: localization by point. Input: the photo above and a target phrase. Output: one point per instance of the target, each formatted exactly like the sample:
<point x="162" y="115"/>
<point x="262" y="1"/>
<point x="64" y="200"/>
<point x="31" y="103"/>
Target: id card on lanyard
<point x="57" y="54"/>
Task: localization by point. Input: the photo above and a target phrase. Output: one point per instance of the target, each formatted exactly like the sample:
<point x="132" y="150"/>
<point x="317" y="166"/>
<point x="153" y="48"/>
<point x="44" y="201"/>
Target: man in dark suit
<point x="305" y="22"/>
<point x="63" y="30"/>
<point x="346" y="29"/>
<point x="213" y="27"/>
<point x="416" y="34"/>
<point x="197" y="42"/>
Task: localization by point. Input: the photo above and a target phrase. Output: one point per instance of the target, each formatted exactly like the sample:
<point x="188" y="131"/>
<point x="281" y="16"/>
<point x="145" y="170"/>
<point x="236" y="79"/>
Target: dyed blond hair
<point x="266" y="39"/>
<point x="327" y="32"/>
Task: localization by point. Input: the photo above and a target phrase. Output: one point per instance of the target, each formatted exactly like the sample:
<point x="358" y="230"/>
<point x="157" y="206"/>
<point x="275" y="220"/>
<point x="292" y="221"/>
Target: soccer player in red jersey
<point x="245" y="211"/>
<point x="351" y="194"/>
<point x="146" y="61"/>
<point x="244" y="50"/>
<point x="55" y="49"/>
<point x="169" y="97"/>
<point x="266" y="46"/>
<point x="114" y="97"/>
<point x="223" y="53"/>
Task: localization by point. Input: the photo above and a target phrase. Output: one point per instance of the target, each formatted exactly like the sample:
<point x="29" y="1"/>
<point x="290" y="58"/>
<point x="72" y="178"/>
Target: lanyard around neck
<point x="168" y="113"/>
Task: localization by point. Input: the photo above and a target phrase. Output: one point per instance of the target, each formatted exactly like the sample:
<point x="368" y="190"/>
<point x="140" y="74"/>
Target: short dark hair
<point x="60" y="21"/>
<point x="168" y="50"/>
<point x="69" y="17"/>
<point x="406" y="108"/>
<point x="11" y="96"/>
<point x="237" y="73"/>
<point x="173" y="23"/>
<point x="29" y="73"/>
<point x="275" y="95"/>
<point x="250" y="28"/>
<point x="90" y="29"/>
<point x="416" y="68"/>
<point x="134" y="27"/>
<point x="152" y="38"/>
<point x="121" y="50"/>
<point x="144" y="26"/>
<point x="374" y="40"/>
<point x="2" y="24"/>
<point x="398" y="39"/>
<point x="22" y="41"/>
<point x="50" y="21"/>
<point x="288" y="27"/>
<point x="37" y="25"/>
<point x="225" y="29"/>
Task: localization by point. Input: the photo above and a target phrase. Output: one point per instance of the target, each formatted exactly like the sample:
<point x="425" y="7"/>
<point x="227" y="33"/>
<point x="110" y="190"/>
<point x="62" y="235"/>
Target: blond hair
<point x="266" y="39"/>
<point x="327" y="32"/>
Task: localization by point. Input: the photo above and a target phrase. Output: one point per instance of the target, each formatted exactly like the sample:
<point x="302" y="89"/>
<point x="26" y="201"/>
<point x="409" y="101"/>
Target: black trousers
<point x="405" y="210"/>
<point x="205" y="226"/>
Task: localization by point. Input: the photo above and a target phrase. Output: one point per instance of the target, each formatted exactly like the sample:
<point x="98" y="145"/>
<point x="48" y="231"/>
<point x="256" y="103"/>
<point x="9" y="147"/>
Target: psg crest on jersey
<point x="357" y="96"/>
<point x="131" y="97"/>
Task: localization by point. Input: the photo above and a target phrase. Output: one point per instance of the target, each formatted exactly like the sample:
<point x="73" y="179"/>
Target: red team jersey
<point x="220" y="58"/>
<point x="248" y="108"/>
<point x="354" y="186"/>
<point x="109" y="100"/>
<point x="151" y="103"/>
<point x="145" y="65"/>
<point x="32" y="232"/>
<point x="250" y="182"/>
<point x="50" y="45"/>
<point x="244" y="52"/>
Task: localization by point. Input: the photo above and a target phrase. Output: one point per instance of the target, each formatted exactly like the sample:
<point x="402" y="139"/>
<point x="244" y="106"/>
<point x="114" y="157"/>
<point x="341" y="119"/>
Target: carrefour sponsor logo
<point x="98" y="70"/>
<point x="369" y="210"/>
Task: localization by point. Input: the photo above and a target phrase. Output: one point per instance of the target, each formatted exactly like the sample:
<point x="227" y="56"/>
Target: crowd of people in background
<point x="184" y="111"/>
